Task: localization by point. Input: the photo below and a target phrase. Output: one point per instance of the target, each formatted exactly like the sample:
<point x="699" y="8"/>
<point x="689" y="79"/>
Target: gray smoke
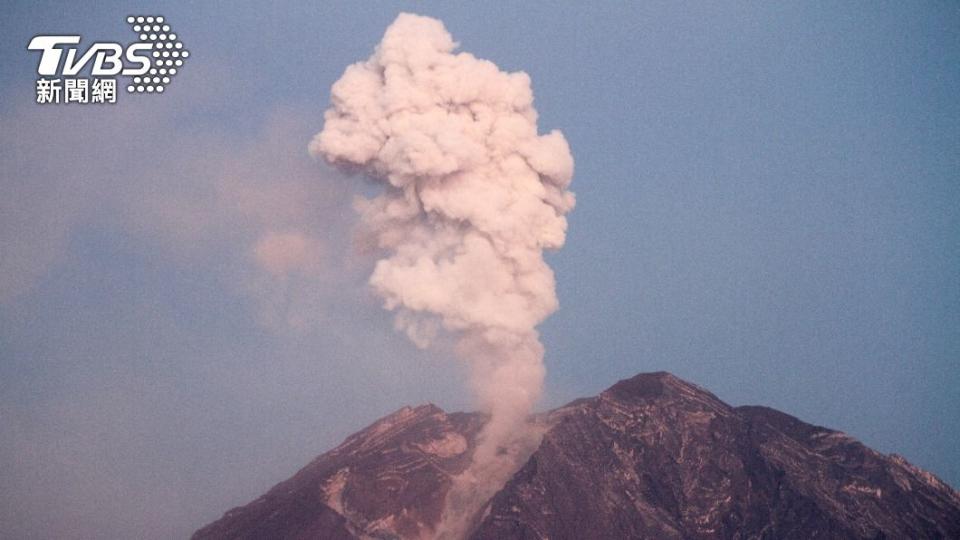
<point x="472" y="195"/>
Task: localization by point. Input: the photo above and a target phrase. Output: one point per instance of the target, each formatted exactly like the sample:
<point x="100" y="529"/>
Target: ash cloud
<point x="472" y="196"/>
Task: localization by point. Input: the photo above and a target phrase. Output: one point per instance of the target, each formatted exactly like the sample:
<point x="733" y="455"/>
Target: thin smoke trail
<point x="472" y="196"/>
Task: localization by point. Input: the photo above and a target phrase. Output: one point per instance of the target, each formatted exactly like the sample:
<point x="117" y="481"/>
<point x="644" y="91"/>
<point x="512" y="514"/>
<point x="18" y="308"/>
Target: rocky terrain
<point x="651" y="457"/>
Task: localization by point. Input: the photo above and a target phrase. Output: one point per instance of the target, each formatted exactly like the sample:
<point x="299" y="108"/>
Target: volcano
<point x="651" y="457"/>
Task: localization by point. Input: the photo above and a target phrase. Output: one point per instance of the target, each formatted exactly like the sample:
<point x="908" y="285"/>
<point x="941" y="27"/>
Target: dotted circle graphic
<point x="167" y="52"/>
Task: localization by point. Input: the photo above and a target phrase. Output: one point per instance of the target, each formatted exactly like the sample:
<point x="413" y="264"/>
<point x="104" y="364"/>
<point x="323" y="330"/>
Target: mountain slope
<point x="656" y="457"/>
<point x="385" y="481"/>
<point x="651" y="457"/>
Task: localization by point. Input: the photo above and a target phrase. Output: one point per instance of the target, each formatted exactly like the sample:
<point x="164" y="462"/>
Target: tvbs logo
<point x="151" y="63"/>
<point x="106" y="57"/>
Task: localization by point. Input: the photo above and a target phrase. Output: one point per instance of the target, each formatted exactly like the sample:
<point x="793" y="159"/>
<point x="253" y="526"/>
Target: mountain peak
<point x="653" y="456"/>
<point x="644" y="385"/>
<point x="663" y="389"/>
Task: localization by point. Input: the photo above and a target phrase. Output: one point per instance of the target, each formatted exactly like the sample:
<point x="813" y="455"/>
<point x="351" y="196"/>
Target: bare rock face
<point x="651" y="457"/>
<point x="386" y="481"/>
<point x="656" y="457"/>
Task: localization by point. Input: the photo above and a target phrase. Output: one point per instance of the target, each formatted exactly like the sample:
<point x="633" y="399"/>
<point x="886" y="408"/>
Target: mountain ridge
<point x="652" y="456"/>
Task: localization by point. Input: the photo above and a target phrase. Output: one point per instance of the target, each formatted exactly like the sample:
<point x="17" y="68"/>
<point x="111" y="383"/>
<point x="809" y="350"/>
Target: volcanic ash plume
<point x="472" y="196"/>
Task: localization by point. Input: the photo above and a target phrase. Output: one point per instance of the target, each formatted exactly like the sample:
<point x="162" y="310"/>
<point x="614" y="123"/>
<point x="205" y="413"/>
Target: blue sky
<point x="768" y="206"/>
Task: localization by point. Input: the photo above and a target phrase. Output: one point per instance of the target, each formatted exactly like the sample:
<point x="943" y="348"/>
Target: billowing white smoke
<point x="472" y="196"/>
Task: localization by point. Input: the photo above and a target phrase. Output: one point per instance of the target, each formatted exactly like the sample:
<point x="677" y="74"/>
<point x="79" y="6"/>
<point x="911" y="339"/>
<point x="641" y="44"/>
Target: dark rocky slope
<point x="386" y="481"/>
<point x="651" y="457"/>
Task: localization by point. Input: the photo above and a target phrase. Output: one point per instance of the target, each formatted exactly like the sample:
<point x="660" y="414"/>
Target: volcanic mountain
<point x="651" y="457"/>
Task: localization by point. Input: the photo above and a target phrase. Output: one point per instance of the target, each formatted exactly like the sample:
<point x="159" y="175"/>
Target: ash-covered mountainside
<point x="651" y="457"/>
<point x="386" y="481"/>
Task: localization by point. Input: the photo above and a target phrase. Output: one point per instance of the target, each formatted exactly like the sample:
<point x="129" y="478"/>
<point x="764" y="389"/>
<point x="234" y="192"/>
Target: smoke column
<point x="472" y="196"/>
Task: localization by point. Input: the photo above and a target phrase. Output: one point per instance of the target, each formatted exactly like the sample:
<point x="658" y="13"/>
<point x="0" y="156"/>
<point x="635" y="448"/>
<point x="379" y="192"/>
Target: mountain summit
<point x="651" y="457"/>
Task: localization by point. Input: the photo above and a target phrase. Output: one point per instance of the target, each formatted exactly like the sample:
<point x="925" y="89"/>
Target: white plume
<point x="472" y="196"/>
